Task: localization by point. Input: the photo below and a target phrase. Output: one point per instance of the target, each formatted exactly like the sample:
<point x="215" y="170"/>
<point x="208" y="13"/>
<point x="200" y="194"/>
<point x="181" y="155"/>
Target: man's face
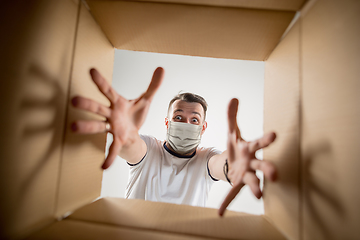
<point x="187" y="112"/>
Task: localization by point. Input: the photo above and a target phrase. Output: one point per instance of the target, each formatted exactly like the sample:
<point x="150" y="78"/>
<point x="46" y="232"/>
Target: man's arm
<point x="124" y="117"/>
<point x="242" y="163"/>
<point x="216" y="165"/>
<point x="134" y="150"/>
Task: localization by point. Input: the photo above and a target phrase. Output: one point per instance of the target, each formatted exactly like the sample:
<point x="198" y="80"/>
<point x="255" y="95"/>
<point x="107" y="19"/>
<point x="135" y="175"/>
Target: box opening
<point x="217" y="80"/>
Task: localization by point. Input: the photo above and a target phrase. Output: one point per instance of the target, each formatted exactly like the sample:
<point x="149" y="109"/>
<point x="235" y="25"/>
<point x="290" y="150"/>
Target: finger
<point x="103" y="85"/>
<point x="88" y="127"/>
<point x="155" y="83"/>
<point x="232" y="118"/>
<point x="265" y="141"/>
<point x="266" y="167"/>
<point x="253" y="182"/>
<point x="238" y="133"/>
<point x="232" y="114"/>
<point x="231" y="147"/>
<point x="113" y="152"/>
<point x="231" y="195"/>
<point x="91" y="106"/>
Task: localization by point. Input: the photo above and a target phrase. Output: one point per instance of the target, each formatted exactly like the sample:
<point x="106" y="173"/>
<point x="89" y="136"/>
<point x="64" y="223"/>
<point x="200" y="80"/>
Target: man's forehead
<point x="180" y="105"/>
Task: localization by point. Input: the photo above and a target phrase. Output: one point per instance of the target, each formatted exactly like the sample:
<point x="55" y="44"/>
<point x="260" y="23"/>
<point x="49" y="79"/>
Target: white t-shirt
<point x="164" y="176"/>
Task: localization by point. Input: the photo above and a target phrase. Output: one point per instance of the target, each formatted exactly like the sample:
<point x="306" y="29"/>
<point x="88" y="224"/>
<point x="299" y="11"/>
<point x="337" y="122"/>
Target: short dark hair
<point x="190" y="97"/>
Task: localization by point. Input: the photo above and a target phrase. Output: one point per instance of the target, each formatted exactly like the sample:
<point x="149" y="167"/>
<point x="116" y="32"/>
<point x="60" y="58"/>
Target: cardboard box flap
<point x="290" y="5"/>
<point x="172" y="218"/>
<point x="75" y="230"/>
<point x="36" y="56"/>
<point x="83" y="155"/>
<point x="195" y="30"/>
<point x="282" y="115"/>
<point x="330" y="36"/>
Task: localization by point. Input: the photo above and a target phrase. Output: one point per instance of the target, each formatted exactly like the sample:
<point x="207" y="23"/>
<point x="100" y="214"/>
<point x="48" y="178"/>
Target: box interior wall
<point x="311" y="99"/>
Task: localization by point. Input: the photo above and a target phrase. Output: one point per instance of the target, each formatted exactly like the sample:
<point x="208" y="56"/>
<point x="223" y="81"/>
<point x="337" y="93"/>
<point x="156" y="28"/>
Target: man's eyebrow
<point x="197" y="113"/>
<point x="178" y="110"/>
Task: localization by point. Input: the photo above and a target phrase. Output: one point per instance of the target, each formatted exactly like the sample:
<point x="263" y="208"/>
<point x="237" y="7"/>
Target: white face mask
<point x="183" y="137"/>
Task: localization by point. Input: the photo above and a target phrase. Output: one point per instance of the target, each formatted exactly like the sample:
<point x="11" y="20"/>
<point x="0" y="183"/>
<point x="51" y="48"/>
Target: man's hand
<point x="242" y="161"/>
<point x="124" y="116"/>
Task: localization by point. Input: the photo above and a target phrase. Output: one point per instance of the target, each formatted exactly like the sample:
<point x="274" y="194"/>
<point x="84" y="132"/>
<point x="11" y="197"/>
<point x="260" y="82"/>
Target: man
<point x="176" y="170"/>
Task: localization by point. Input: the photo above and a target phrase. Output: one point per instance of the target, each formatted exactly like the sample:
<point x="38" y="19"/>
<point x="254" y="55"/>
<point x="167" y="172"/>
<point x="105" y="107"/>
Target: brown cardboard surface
<point x="311" y="101"/>
<point x="195" y="30"/>
<point x="75" y="230"/>
<point x="37" y="39"/>
<point x="331" y="117"/>
<point x="282" y="115"/>
<point x="290" y="5"/>
<point x="172" y="218"/>
<point x="81" y="173"/>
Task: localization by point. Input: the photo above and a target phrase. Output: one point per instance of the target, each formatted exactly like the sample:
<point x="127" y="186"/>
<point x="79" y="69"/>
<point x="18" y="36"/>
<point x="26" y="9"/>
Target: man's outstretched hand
<point x="242" y="162"/>
<point x="124" y="116"/>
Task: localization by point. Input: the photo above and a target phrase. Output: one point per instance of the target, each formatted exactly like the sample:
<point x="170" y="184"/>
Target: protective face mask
<point x="183" y="137"/>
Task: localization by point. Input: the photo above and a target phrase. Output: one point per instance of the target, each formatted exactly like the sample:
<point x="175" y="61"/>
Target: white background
<point x="217" y="80"/>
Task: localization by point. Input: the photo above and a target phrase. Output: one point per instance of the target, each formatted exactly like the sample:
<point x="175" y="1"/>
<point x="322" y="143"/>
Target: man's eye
<point x="177" y="118"/>
<point x="195" y="120"/>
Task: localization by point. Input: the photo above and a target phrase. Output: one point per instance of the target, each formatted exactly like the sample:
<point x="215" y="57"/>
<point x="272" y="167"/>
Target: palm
<point x="127" y="117"/>
<point x="120" y="120"/>
<point x="124" y="116"/>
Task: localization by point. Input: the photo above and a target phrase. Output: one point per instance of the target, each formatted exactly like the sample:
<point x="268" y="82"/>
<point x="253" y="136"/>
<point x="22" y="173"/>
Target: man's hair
<point x="190" y="97"/>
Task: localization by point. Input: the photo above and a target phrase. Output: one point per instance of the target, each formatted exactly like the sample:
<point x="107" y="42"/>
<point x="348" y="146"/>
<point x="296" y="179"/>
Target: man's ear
<point x="204" y="127"/>
<point x="166" y="122"/>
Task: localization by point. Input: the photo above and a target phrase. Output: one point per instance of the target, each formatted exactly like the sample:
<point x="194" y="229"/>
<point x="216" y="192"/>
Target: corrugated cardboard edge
<point x="281" y="5"/>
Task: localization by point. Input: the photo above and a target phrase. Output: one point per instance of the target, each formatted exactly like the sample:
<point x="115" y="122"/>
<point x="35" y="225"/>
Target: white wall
<point x="217" y="80"/>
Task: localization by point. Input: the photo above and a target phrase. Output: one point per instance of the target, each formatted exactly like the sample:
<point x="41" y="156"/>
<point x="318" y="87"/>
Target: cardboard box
<point x="50" y="176"/>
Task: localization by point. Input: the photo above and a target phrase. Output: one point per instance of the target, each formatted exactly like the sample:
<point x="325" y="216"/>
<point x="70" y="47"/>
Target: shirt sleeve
<point x="136" y="170"/>
<point x="212" y="152"/>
